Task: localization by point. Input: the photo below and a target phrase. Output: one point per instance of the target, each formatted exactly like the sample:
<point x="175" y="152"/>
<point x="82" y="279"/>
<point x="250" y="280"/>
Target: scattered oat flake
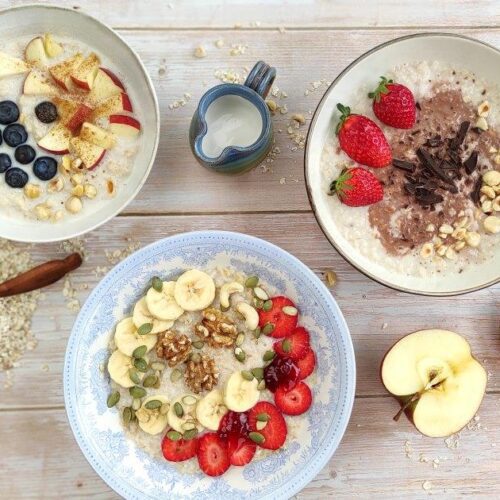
<point x="384" y="326"/>
<point x="283" y="180"/>
<point x="237" y="49"/>
<point x="426" y="485"/>
<point x="200" y="52"/>
<point x="179" y="103"/>
<point x="229" y="76"/>
<point x="219" y="43"/>
<point x="117" y="255"/>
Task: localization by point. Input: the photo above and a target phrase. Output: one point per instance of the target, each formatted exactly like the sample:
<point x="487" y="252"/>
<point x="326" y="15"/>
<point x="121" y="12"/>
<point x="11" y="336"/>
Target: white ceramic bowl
<point x="36" y="19"/>
<point x="460" y="51"/>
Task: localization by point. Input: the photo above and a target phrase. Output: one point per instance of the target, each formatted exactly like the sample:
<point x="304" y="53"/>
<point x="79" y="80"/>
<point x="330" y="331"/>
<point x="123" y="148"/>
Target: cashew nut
<point x="250" y="314"/>
<point x="226" y="290"/>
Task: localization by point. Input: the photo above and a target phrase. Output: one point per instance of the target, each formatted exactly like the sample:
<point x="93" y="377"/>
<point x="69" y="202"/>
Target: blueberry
<point x="16" y="178"/>
<point x="46" y="112"/>
<point x="14" y="135"/>
<point x="25" y="154"/>
<point x="45" y="168"/>
<point x="9" y="112"/>
<point x="5" y="162"/>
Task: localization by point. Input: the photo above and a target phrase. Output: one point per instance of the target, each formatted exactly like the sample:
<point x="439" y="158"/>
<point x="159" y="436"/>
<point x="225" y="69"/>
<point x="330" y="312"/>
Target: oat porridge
<point x="414" y="170"/>
<point x="69" y="136"/>
<point x="208" y="371"/>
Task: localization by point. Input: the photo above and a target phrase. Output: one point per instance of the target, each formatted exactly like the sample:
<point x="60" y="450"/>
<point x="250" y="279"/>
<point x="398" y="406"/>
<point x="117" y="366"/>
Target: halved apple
<point x="11" y="65"/>
<point x="34" y="53"/>
<point x="57" y="140"/>
<point x="106" y="85"/>
<point x="72" y="113"/>
<point x="37" y="84"/>
<point x="124" y="125"/>
<point x="113" y="105"/>
<point x="61" y="73"/>
<point x="98" y="136"/>
<point x="84" y="75"/>
<point x="438" y="382"/>
<point x="90" y="154"/>
<point x="52" y="48"/>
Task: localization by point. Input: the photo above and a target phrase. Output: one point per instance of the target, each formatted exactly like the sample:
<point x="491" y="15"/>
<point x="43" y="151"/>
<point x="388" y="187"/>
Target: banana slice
<point x="162" y="304"/>
<point x="210" y="409"/>
<point x="128" y="340"/>
<point x="241" y="394"/>
<point x="153" y="420"/>
<point x="142" y="315"/>
<point x="227" y="290"/>
<point x="187" y="419"/>
<point x="119" y="365"/>
<point x="194" y="290"/>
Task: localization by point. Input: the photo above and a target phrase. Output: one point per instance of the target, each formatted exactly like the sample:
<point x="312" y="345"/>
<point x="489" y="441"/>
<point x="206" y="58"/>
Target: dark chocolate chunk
<point x="410" y="188"/>
<point x="476" y="191"/>
<point x="454" y="157"/>
<point x="476" y="130"/>
<point x="430" y="164"/>
<point x="471" y="163"/>
<point x="434" y="142"/>
<point x="459" y="138"/>
<point x="428" y="198"/>
<point x="404" y="165"/>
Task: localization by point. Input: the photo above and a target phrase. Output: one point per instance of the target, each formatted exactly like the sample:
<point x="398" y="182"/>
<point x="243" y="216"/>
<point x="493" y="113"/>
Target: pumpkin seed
<point x="260" y="425"/>
<point x="157" y="284"/>
<point x="179" y="410"/>
<point x="268" y="355"/>
<point x="262" y="385"/>
<point x="198" y="344"/>
<point x="268" y="328"/>
<point x="189" y="400"/>
<point x="150" y="381"/>
<point x="136" y="404"/>
<point x="195" y="357"/>
<point x="239" y="354"/>
<point x="190" y="434"/>
<point x="157" y="365"/>
<point x="268" y="305"/>
<point x="247" y="375"/>
<point x="157" y="384"/>
<point x="141" y="364"/>
<point x="153" y="404"/>
<point x="240" y="339"/>
<point x="134" y="416"/>
<point x="263" y="417"/>
<point x="257" y="332"/>
<point x="286" y="345"/>
<point x="187" y="426"/>
<point x="256" y="437"/>
<point x="164" y="408"/>
<point x="139" y="352"/>
<point x="175" y="375"/>
<point x="127" y="415"/>
<point x="113" y="398"/>
<point x="258" y="303"/>
<point x="174" y="435"/>
<point x="260" y="293"/>
<point x="290" y="310"/>
<point x="137" y="392"/>
<point x="252" y="281"/>
<point x="145" y="329"/>
<point x="258" y="373"/>
<point x="224" y="309"/>
<point x="134" y="376"/>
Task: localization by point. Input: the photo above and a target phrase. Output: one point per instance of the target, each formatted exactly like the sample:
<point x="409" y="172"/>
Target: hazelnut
<point x="57" y="216"/>
<point x="76" y="179"/>
<point x="491" y="178"/>
<point x="496" y="204"/>
<point x="42" y="211"/>
<point x="492" y="224"/>
<point x="77" y="191"/>
<point x="90" y="191"/>
<point x="427" y="250"/>
<point x="430" y="228"/>
<point x="497" y="159"/>
<point x="442" y="250"/>
<point x="446" y="229"/>
<point x="55" y="185"/>
<point x="459" y="245"/>
<point x="65" y="166"/>
<point x="483" y="109"/>
<point x="487" y="206"/>
<point x="77" y="165"/>
<point x="488" y="191"/>
<point x="481" y="123"/>
<point x="459" y="233"/>
<point x="73" y="204"/>
<point x="451" y="254"/>
<point x="32" y="191"/>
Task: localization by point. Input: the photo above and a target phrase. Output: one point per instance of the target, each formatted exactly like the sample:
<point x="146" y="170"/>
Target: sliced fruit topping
<point x="106" y="85"/>
<point x="9" y="112"/>
<point x="182" y="414"/>
<point x="278" y="320"/>
<point x="295" y="346"/>
<point x="127" y="338"/>
<point x="179" y="449"/>
<point x="72" y="113"/>
<point x="362" y="139"/>
<point x="243" y="454"/>
<point x="124" y="125"/>
<point x="194" y="290"/>
<point x="121" y="369"/>
<point x="98" y="136"/>
<point x="306" y="365"/>
<point x="162" y="304"/>
<point x="90" y="154"/>
<point x="357" y="187"/>
<point x="211" y="409"/>
<point x="83" y="76"/>
<point x="213" y="457"/>
<point x="240" y="394"/>
<point x="281" y="372"/>
<point x="152" y="415"/>
<point x="34" y="53"/>
<point x="46" y="112"/>
<point x="142" y="316"/>
<point x="294" y="401"/>
<point x="45" y="168"/>
<point x="11" y="65"/>
<point x="272" y="435"/>
<point x="394" y="104"/>
<point x="234" y="430"/>
<point x="57" y="140"/>
<point x="113" y="105"/>
<point x="52" y="48"/>
<point x="36" y="84"/>
<point x="14" y="135"/>
<point x="61" y="73"/>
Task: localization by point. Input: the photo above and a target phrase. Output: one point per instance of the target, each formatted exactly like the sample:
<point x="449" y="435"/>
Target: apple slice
<point x="61" y="73"/>
<point x="57" y="140"/>
<point x="11" y="65"/>
<point x="439" y="383"/>
<point x="97" y="135"/>
<point x="90" y="154"/>
<point x="36" y="84"/>
<point x="106" y="85"/>
<point x="72" y="113"/>
<point x="34" y="53"/>
<point x="84" y="75"/>
<point x="124" y="125"/>
<point x="113" y="105"/>
<point x="52" y="48"/>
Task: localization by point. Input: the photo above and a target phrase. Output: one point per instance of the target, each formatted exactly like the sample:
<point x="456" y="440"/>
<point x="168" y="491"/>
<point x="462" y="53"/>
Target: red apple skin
<point x="81" y="114"/>
<point x="80" y="84"/>
<point x="126" y="104"/>
<point x="114" y="78"/>
<point x="59" y="82"/>
<point x="63" y="152"/>
<point x="125" y="120"/>
<point x="97" y="161"/>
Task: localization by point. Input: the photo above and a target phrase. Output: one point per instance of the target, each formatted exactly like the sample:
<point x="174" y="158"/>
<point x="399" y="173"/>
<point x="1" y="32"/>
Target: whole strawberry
<point x="394" y="104"/>
<point x="362" y="140"/>
<point x="357" y="187"/>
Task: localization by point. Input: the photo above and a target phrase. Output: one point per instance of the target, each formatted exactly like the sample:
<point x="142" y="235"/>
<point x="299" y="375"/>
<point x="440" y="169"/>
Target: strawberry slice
<point x="243" y="454"/>
<point x="233" y="430"/>
<point x="213" y="457"/>
<point x="295" y="401"/>
<point x="273" y="434"/>
<point x="283" y="323"/>
<point x="180" y="450"/>
<point x="296" y="346"/>
<point x="306" y="365"/>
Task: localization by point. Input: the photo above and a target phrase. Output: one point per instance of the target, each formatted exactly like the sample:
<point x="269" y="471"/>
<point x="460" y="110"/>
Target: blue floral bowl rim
<point x="311" y="469"/>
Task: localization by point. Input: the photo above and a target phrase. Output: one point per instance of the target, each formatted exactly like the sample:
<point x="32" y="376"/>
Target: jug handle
<point x="261" y="78"/>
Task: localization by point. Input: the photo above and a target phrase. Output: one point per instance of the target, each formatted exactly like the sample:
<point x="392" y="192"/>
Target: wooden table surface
<point x="309" y="43"/>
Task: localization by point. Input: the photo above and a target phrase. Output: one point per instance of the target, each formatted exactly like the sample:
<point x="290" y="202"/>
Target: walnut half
<point x="173" y="347"/>
<point x="216" y="329"/>
<point x="201" y="373"/>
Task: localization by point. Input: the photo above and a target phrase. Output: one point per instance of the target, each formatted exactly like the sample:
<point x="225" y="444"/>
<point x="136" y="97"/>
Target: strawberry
<point x="394" y="104"/>
<point x="180" y="450"/>
<point x="357" y="187"/>
<point x="306" y="365"/>
<point x="283" y="323"/>
<point x="295" y="346"/>
<point x="362" y="139"/>
<point x="275" y="431"/>
<point x="234" y="430"/>
<point x="213" y="457"/>
<point x="295" y="401"/>
<point x="243" y="454"/>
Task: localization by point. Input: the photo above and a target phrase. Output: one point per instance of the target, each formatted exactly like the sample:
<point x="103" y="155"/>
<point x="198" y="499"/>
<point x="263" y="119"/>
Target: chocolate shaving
<point x="410" y="188"/>
<point x="476" y="191"/>
<point x="459" y="138"/>
<point x="425" y="197"/>
<point x="454" y="157"/>
<point x="434" y="142"/>
<point x="404" y="165"/>
<point x="429" y="163"/>
<point x="471" y="163"/>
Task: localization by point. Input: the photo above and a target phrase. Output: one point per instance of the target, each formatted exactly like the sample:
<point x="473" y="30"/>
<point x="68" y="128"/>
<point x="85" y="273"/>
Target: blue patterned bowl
<point x="133" y="473"/>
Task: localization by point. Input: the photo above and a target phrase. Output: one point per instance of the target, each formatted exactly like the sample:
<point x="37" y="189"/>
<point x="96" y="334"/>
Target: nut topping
<point x="173" y="347"/>
<point x="201" y="374"/>
<point x="216" y="329"/>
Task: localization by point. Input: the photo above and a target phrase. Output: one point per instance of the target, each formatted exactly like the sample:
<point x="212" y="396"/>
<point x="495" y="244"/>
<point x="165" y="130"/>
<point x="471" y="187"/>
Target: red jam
<point x="281" y="372"/>
<point x="234" y="429"/>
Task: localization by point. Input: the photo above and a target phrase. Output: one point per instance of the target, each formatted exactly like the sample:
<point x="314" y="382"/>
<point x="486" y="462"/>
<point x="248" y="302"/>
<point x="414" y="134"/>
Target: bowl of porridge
<point x="79" y="123"/>
<point x="402" y="164"/>
<point x="209" y="363"/>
